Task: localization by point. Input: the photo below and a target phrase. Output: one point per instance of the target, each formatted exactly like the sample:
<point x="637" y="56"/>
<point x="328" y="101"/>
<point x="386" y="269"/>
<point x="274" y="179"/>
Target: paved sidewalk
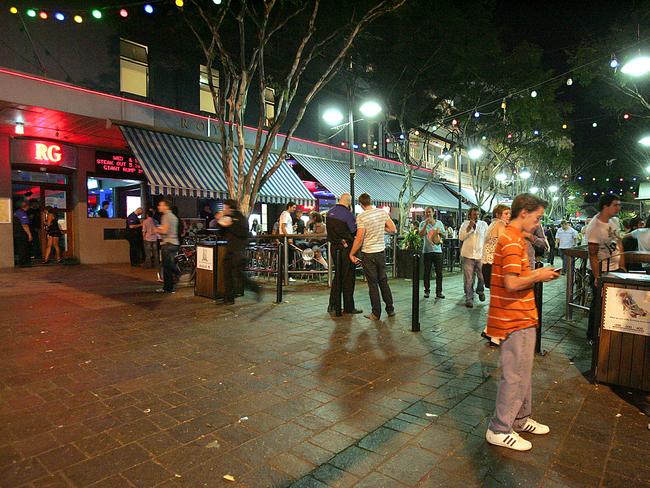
<point x="104" y="383"/>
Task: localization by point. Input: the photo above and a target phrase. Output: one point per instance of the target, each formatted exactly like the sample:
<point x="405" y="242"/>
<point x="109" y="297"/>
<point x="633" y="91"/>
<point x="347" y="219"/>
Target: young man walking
<point x="371" y="226"/>
<point x="472" y="234"/>
<point x="235" y="231"/>
<point x="605" y="249"/>
<point x="168" y="231"/>
<point x="512" y="319"/>
<point x="432" y="231"/>
<point x="341" y="228"/>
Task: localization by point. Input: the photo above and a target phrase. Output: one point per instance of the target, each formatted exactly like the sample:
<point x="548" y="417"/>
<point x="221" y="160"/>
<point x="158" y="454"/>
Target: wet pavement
<point x="104" y="383"/>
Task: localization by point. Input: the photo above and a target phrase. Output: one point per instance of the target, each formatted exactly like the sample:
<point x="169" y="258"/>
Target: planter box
<point x="404" y="261"/>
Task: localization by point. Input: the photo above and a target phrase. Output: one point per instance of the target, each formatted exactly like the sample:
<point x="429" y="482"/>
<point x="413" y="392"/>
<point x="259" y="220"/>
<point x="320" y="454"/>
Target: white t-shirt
<point x="567" y="237"/>
<point x="643" y="238"/>
<point x="606" y="235"/>
<point x="374" y="223"/>
<point x="285" y="218"/>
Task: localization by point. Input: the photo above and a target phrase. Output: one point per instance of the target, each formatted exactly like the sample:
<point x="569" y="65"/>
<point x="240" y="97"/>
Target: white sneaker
<point x="535" y="427"/>
<point x="511" y="441"/>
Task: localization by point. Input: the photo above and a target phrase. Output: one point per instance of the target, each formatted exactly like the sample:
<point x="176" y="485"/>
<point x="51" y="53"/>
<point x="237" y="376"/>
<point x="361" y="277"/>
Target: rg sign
<point x="50" y="153"/>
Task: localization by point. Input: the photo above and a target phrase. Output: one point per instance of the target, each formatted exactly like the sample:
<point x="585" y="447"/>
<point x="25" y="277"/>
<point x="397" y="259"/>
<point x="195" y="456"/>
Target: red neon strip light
<point x="175" y="111"/>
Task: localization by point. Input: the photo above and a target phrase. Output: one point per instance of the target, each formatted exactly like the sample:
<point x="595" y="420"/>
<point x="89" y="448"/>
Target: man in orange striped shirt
<point x="512" y="318"/>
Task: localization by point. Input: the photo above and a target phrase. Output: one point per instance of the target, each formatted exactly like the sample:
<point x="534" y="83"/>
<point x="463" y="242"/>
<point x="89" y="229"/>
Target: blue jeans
<point x="471" y="269"/>
<point x="515" y="393"/>
<point x="169" y="267"/>
<point x="565" y="260"/>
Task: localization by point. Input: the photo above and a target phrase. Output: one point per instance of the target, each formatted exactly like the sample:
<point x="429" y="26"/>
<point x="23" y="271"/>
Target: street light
<point x="334" y="117"/>
<point x="645" y="141"/>
<point x="475" y="153"/>
<point x="638" y="66"/>
<point x="370" y="108"/>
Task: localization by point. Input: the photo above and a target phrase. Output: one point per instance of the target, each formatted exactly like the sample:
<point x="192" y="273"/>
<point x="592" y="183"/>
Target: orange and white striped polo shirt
<point x="510" y="310"/>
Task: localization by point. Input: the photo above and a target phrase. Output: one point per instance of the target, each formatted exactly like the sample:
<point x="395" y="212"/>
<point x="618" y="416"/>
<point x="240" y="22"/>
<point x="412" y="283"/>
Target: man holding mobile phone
<point x="512" y="320"/>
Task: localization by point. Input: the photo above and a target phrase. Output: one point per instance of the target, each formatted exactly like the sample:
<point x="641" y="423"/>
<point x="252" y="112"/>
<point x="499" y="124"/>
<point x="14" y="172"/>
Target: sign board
<point x="205" y="258"/>
<point x="5" y="210"/>
<point x="118" y="165"/>
<point x="43" y="153"/>
<point x="627" y="310"/>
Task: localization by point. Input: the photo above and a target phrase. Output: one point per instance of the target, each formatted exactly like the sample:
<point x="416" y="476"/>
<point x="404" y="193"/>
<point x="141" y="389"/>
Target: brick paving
<point x="106" y="384"/>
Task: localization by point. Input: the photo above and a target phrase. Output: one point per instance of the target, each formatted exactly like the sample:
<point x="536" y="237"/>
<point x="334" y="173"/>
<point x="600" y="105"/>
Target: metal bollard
<point x="538" y="290"/>
<point x="339" y="281"/>
<point x="279" y="281"/>
<point x="415" y="299"/>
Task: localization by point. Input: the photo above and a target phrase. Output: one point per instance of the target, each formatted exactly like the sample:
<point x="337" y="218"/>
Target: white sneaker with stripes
<point x="511" y="441"/>
<point x="535" y="427"/>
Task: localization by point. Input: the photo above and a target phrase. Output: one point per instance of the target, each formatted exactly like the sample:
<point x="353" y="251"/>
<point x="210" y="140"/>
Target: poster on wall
<point x="205" y="258"/>
<point x="5" y="211"/>
<point x="627" y="310"/>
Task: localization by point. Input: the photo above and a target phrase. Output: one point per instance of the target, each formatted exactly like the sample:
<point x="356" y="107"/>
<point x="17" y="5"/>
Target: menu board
<point x="118" y="165"/>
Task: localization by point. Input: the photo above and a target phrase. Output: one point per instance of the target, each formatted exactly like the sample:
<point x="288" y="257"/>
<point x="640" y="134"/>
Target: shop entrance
<point x="42" y="190"/>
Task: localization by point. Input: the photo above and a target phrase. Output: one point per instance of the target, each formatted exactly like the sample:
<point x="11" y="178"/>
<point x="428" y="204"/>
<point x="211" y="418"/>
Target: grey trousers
<point x="515" y="393"/>
<point x="471" y="269"/>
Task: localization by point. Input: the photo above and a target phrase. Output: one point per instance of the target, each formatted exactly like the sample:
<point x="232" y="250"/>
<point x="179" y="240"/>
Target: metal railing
<point x="578" y="281"/>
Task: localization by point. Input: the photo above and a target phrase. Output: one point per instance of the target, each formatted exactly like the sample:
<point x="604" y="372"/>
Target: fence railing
<point x="578" y="281"/>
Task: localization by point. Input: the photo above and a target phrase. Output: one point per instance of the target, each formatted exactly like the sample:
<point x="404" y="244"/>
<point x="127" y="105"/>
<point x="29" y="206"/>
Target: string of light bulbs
<point x="97" y="13"/>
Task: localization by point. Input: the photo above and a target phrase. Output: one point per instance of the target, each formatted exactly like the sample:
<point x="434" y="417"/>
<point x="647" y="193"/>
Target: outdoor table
<point x="622" y="350"/>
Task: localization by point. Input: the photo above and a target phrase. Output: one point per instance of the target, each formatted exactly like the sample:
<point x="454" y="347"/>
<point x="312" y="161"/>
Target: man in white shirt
<point x="286" y="219"/>
<point x="371" y="225"/>
<point x="565" y="238"/>
<point x="472" y="234"/>
<point x="605" y="249"/>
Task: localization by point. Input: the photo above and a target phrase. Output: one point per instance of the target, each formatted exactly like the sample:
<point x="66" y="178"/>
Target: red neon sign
<point x="49" y="153"/>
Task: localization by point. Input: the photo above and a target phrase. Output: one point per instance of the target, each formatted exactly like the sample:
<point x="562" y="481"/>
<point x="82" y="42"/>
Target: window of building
<point x="206" y="103"/>
<point x="269" y="106"/>
<point x="134" y="68"/>
<point x="112" y="198"/>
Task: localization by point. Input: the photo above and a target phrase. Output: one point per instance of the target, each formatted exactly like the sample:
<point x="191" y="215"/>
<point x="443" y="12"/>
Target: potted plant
<point x="411" y="244"/>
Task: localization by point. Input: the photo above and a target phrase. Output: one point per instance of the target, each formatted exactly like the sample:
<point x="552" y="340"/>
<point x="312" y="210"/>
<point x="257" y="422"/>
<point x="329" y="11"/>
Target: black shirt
<point x="237" y="233"/>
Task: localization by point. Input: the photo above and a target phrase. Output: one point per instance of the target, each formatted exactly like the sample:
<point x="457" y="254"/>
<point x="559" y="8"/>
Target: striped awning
<point x="335" y="176"/>
<point x="177" y="165"/>
<point x="433" y="195"/>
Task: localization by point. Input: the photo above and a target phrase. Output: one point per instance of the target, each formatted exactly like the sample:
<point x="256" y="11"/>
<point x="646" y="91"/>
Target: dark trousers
<point x="374" y="267"/>
<point x="551" y="255"/>
<point x="22" y="248"/>
<point x="347" y="281"/>
<point x="135" y="249"/>
<point x="432" y="259"/>
<point x="234" y="272"/>
<point x="169" y="251"/>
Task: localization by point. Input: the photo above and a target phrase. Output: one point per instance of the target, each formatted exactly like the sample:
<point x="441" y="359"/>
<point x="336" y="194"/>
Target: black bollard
<point x="339" y="280"/>
<point x="280" y="275"/>
<point x="538" y="290"/>
<point x="415" y="299"/>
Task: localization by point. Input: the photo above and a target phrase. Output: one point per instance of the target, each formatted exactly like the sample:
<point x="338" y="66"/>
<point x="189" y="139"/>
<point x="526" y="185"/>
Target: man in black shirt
<point x="235" y="231"/>
<point x="341" y="228"/>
